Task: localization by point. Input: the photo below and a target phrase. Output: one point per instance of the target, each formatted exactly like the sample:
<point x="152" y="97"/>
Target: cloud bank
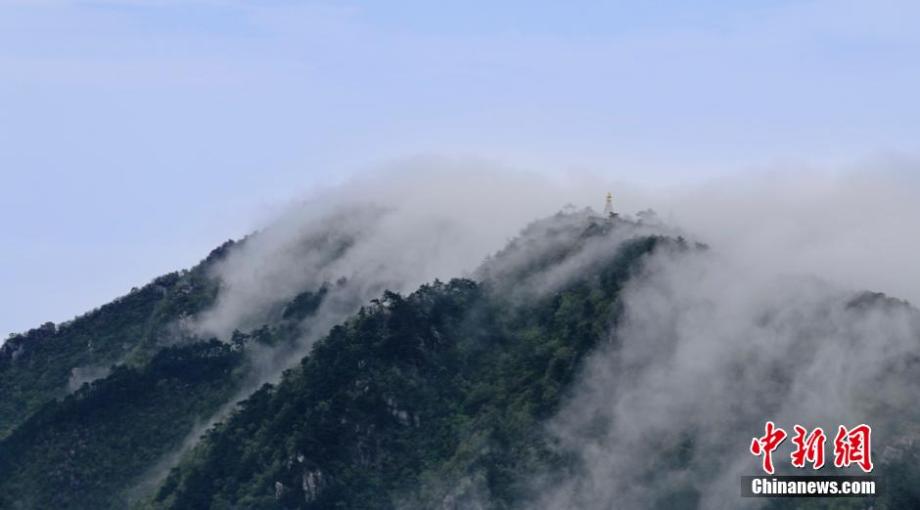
<point x="706" y="352"/>
<point x="395" y="230"/>
<point x="772" y="323"/>
<point x="769" y="323"/>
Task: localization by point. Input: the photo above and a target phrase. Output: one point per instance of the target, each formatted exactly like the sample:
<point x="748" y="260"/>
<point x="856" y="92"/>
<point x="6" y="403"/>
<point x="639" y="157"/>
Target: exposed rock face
<point x="312" y="484"/>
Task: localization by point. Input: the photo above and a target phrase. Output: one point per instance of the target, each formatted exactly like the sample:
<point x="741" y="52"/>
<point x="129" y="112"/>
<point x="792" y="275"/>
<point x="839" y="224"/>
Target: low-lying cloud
<point x="434" y="218"/>
<point x="772" y="323"/>
<point x="392" y="230"/>
<point x="705" y="353"/>
<point x="711" y="344"/>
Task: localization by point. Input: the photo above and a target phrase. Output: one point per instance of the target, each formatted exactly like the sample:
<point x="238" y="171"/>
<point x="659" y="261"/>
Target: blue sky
<point x="135" y="135"/>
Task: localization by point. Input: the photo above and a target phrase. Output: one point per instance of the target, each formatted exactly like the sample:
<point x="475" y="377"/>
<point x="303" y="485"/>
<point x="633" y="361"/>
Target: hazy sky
<point x="135" y="135"/>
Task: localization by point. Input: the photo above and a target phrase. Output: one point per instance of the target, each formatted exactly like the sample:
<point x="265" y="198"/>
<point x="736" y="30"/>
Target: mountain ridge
<point x="439" y="398"/>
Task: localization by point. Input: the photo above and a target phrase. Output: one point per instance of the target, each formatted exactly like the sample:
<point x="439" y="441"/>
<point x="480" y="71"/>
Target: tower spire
<point x="608" y="205"/>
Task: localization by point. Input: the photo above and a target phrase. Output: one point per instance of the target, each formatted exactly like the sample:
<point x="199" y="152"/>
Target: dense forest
<point x="434" y="399"/>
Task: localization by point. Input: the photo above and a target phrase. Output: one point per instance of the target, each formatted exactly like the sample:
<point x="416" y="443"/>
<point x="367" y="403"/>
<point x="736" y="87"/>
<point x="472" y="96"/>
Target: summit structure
<point x="608" y="206"/>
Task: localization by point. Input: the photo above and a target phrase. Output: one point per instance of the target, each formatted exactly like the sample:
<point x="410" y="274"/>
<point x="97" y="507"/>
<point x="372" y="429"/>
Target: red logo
<point x="854" y="447"/>
<point x="851" y="446"/>
<point x="808" y="448"/>
<point x="765" y="445"/>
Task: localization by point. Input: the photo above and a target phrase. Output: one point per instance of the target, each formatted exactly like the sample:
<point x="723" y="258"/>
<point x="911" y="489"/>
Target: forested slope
<point x="437" y="398"/>
<point x="443" y="390"/>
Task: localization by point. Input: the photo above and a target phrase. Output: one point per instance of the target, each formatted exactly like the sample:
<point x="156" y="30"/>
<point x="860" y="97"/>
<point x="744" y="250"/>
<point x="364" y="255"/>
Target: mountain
<point x="459" y="394"/>
<point x="51" y="361"/>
